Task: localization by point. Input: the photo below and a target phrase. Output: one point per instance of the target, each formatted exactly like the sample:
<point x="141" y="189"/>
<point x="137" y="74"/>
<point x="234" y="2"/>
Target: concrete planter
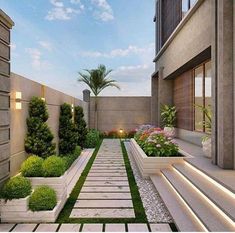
<point x="64" y="184"/>
<point x="21" y="212"/>
<point x="151" y="165"/>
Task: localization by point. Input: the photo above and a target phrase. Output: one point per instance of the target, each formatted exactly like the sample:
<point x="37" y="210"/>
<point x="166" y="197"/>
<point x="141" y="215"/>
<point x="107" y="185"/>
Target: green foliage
<point x="17" y="187"/>
<point x="80" y="126"/>
<point x="92" y="138"/>
<point x="43" y="198"/>
<point x="39" y="137"/>
<point x="69" y="159"/>
<point x="168" y="115"/>
<point x="32" y="167"/>
<point x="53" y="166"/>
<point x="67" y="134"/>
<point x="208" y="116"/>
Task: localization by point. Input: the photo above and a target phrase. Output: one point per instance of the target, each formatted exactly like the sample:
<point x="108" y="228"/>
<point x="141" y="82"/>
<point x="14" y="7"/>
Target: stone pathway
<point x="93" y="227"/>
<point x="106" y="191"/>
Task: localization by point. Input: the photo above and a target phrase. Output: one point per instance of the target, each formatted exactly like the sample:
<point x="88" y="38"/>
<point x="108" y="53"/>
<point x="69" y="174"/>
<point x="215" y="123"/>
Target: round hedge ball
<point x="43" y="198"/>
<point x="32" y="167"/>
<point x="54" y="166"/>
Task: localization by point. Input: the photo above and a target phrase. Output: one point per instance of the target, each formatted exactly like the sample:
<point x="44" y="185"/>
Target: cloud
<point x="46" y="45"/>
<point x="36" y="59"/>
<point x="131" y="50"/>
<point x="60" y="12"/>
<point x="103" y="11"/>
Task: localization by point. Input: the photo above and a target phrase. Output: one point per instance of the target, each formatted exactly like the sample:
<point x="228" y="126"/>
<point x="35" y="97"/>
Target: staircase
<point x="195" y="200"/>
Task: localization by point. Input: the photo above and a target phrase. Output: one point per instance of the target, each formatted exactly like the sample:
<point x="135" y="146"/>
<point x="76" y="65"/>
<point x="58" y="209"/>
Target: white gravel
<point x="155" y="208"/>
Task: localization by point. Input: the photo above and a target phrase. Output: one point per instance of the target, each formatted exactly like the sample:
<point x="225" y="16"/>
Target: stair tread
<point x="205" y="212"/>
<point x="181" y="215"/>
<point x="220" y="198"/>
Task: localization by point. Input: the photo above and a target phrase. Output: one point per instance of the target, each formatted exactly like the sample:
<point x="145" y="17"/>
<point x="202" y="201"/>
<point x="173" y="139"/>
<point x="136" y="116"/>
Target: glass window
<point x="185" y="7"/>
<point x="202" y="94"/>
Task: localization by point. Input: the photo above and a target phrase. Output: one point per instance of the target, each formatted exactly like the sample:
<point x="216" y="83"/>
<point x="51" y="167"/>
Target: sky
<point x="53" y="40"/>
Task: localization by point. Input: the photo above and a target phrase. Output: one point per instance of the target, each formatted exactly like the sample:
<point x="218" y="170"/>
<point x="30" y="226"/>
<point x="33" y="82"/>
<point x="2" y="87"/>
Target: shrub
<point x="53" y="166"/>
<point x="32" y="167"/>
<point x="80" y="126"/>
<point x="70" y="158"/>
<point x="67" y="134"/>
<point x="39" y="137"/>
<point x="168" y="115"/>
<point x="92" y="138"/>
<point x="43" y="198"/>
<point x="17" y="187"/>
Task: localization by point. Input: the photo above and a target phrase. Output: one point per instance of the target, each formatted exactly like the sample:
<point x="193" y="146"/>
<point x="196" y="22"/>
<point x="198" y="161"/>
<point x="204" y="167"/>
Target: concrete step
<point x="212" y="219"/>
<point x="184" y="219"/>
<point x="221" y="196"/>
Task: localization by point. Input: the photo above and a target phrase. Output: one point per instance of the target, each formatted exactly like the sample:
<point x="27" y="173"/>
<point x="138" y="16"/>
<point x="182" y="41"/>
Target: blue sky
<point x="54" y="39"/>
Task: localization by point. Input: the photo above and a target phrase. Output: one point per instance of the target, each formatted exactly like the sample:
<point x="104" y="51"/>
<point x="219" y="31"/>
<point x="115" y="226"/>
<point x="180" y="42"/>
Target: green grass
<point x="138" y="206"/>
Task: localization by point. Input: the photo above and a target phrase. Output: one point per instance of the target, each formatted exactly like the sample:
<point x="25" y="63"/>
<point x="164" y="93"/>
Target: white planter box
<point x="17" y="210"/>
<point x="151" y="165"/>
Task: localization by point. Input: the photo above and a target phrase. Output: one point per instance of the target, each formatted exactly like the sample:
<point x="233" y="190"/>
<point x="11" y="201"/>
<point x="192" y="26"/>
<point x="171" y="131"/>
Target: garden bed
<point x="151" y="165"/>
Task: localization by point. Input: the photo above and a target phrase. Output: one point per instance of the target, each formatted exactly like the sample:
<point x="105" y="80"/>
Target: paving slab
<point x="47" y="227"/>
<point x="115" y="227"/>
<point x="104" y="196"/>
<point x="108" y="174"/>
<point x="137" y="227"/>
<point x="92" y="228"/>
<point x="106" y="183"/>
<point x="102" y="213"/>
<point x="103" y="204"/>
<point x="25" y="227"/>
<point x="119" y="189"/>
<point x="94" y="170"/>
<point x="5" y="227"/>
<point x="113" y="166"/>
<point x="160" y="227"/>
<point x="107" y="178"/>
<point x="66" y="227"/>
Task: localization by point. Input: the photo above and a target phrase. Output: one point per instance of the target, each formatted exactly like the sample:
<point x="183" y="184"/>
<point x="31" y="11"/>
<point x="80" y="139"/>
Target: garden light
<point x="18" y="98"/>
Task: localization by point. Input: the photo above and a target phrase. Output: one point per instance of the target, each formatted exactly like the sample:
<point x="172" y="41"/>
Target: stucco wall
<point x="193" y="38"/>
<point x="54" y="99"/>
<point x="116" y="113"/>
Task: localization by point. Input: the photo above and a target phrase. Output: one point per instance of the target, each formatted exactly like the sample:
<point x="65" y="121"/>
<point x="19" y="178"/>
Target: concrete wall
<point x="5" y="26"/>
<point x="120" y="112"/>
<point x="190" y="40"/>
<point x="53" y="98"/>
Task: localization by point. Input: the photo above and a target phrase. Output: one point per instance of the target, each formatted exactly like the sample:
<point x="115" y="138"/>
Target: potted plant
<point x="168" y="117"/>
<point x="206" y="140"/>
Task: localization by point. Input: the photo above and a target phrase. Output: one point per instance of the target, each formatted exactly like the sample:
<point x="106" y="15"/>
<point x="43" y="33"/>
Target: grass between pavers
<point x="137" y="202"/>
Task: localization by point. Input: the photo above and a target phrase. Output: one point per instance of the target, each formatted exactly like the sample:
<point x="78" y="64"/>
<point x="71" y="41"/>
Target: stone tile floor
<point x="98" y="227"/>
<point x="106" y="191"/>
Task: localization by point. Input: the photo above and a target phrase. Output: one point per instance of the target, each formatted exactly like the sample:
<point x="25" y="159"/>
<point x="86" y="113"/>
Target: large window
<point x="202" y="93"/>
<point x="186" y="5"/>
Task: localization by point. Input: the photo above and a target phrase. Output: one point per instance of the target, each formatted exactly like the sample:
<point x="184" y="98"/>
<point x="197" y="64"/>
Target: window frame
<point x="203" y="65"/>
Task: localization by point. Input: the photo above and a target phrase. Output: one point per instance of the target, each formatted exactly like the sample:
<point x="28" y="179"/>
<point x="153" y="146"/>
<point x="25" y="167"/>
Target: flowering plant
<point x="155" y="142"/>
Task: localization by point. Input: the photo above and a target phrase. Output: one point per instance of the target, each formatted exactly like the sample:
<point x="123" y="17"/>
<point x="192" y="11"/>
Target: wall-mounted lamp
<point x="121" y="131"/>
<point x="18" y="98"/>
<point x="42" y="98"/>
<point x="72" y="108"/>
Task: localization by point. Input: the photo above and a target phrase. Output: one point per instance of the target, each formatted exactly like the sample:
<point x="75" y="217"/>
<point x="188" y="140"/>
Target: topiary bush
<point x="80" y="126"/>
<point x="39" y="137"/>
<point x="43" y="198"/>
<point x="32" y="167"/>
<point x="67" y="134"/>
<point x="17" y="187"/>
<point x="53" y="166"/>
<point x="92" y="138"/>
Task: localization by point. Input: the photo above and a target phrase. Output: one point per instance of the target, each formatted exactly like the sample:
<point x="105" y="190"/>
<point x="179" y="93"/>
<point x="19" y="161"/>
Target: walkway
<point x="106" y="191"/>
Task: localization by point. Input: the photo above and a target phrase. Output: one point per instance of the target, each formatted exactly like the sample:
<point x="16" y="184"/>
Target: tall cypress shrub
<point x="80" y="126"/>
<point x="39" y="137"/>
<point x="67" y="134"/>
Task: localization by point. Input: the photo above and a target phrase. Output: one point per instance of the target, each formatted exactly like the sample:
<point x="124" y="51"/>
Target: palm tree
<point x="97" y="80"/>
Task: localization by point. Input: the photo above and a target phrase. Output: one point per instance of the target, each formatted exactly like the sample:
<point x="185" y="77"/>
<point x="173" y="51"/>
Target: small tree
<point x="80" y="125"/>
<point x="67" y="134"/>
<point x="39" y="137"/>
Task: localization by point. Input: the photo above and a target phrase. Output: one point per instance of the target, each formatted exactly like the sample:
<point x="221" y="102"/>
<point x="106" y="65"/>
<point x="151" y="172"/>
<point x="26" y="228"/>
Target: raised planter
<point x="151" y="165"/>
<point x="17" y="210"/>
<point x="64" y="184"/>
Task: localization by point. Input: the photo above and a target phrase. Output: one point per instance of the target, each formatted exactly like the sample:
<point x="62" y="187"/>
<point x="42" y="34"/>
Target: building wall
<point x="189" y="41"/>
<point x="54" y="99"/>
<point x="120" y="112"/>
<point x="5" y="26"/>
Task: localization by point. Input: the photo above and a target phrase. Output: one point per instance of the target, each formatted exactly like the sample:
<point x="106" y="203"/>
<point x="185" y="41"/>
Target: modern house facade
<point x="194" y="65"/>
